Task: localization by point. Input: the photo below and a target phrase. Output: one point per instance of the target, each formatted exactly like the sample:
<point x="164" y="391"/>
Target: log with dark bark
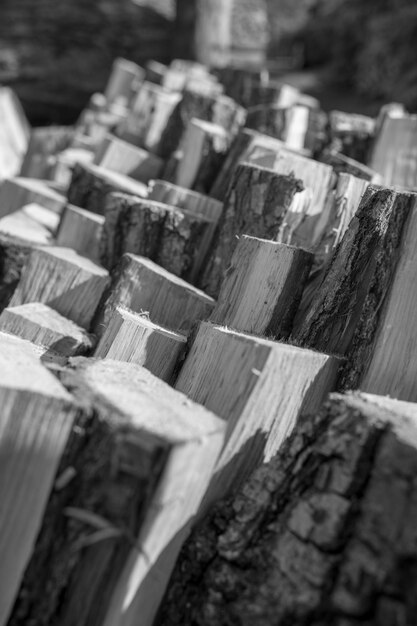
<point x="14" y="254"/>
<point x="137" y="448"/>
<point x="324" y="534"/>
<point x="90" y="184"/>
<point x="257" y="203"/>
<point x="345" y="312"/>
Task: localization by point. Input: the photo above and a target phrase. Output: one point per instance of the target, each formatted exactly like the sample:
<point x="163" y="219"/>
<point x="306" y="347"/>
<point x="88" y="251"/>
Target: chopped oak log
<point x="36" y="419"/>
<point x="246" y="144"/>
<point x="14" y="133"/>
<point x="262" y="288"/>
<point x="138" y="463"/>
<point x="134" y="338"/>
<point x="204" y="148"/>
<point x="174" y="238"/>
<point x="259" y="388"/>
<point x="392" y="368"/>
<point x="59" y="277"/>
<point x="395" y="151"/>
<point x="345" y="312"/>
<point x="16" y="193"/>
<point x="43" y="326"/>
<point x="352" y="134"/>
<point x="145" y="124"/>
<point x="124" y="82"/>
<point x="220" y="110"/>
<point x="326" y="529"/>
<point x="81" y="230"/>
<point x="257" y="203"/>
<point x="91" y="183"/>
<point x="144" y="287"/>
<point x="307" y="222"/>
<point x="120" y="156"/>
<point x="191" y="201"/>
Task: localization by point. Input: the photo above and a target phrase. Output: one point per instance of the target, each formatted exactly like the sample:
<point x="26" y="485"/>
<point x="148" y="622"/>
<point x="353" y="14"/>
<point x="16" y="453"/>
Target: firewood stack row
<point x="204" y="304"/>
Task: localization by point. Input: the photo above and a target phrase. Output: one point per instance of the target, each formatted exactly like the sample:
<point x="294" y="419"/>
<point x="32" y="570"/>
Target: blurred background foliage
<point x="56" y="53"/>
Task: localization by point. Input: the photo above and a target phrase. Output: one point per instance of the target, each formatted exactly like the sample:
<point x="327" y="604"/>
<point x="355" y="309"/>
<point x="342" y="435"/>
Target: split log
<point x="257" y="203"/>
<point x="145" y="124"/>
<point x="21" y="226"/>
<point x="97" y="120"/>
<point x="133" y="338"/>
<point x="45" y="143"/>
<point x="240" y="83"/>
<point x="345" y="313"/>
<point x="35" y="423"/>
<point x="90" y="184"/>
<point x="203" y="148"/>
<point x="38" y="323"/>
<point x="144" y="287"/>
<point x="299" y="541"/>
<point x="351" y="134"/>
<point x="259" y="388"/>
<point x="191" y="201"/>
<point x="124" y="81"/>
<point x="16" y="193"/>
<point x="344" y="165"/>
<point x="140" y="461"/>
<point x="14" y="133"/>
<point x="43" y="216"/>
<point x="246" y="145"/>
<point x="220" y="110"/>
<point x="395" y="152"/>
<point x="81" y="230"/>
<point x="275" y="93"/>
<point x="14" y="254"/>
<point x="122" y="157"/>
<point x="262" y="288"/>
<point x="175" y="239"/>
<point x="392" y="368"/>
<point x="391" y="109"/>
<point x="59" y="277"/>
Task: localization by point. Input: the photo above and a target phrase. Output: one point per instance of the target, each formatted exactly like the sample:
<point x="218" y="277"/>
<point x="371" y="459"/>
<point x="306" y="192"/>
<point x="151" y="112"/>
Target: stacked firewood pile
<point x="185" y="276"/>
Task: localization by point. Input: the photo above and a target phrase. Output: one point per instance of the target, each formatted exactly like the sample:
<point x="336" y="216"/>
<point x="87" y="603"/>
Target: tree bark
<point x="297" y="545"/>
<point x="257" y="202"/>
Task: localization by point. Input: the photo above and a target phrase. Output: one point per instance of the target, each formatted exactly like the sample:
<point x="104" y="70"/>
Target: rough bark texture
<point x="344" y="314"/>
<point x="90" y="185"/>
<point x="323" y="535"/>
<point x="238" y="148"/>
<point x="256" y="205"/>
<point x="13" y="256"/>
<point x="131" y="225"/>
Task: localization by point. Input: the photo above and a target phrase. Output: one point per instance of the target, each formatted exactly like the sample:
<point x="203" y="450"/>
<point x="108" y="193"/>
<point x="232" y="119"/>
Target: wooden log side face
<point x="44" y="327"/>
<point x="90" y="185"/>
<point x="258" y="387"/>
<point x="191" y="201"/>
<point x="124" y="158"/>
<point x="342" y="164"/>
<point x="144" y="287"/>
<point x="142" y="457"/>
<point x="68" y="283"/>
<point x="132" y="225"/>
<point x="298" y="543"/>
<point x="81" y="230"/>
<point x="262" y="288"/>
<point x="15" y="193"/>
<point x="391" y="368"/>
<point x="14" y="254"/>
<point x="133" y="338"/>
<point x="123" y="82"/>
<point x="257" y="203"/>
<point x="36" y="419"/>
<point x="345" y="313"/>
